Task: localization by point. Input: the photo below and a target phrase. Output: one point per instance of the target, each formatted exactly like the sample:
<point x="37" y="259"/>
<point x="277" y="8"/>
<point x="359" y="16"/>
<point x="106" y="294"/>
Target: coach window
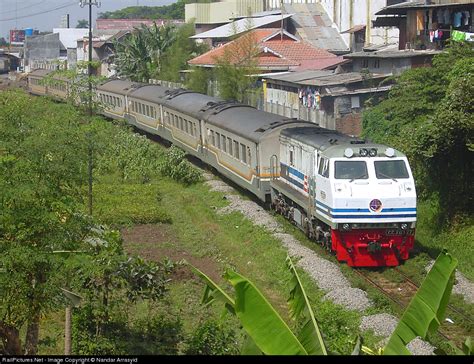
<point x="224" y="143"/>
<point x="214" y="143"/>
<point x="243" y="154"/>
<point x="229" y="141"/>
<point x="236" y="149"/>
<point x="249" y="154"/>
<point x="292" y="157"/>
<point x="218" y="140"/>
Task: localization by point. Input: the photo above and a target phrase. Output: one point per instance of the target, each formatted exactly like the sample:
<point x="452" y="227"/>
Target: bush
<point x="175" y="165"/>
<point x="212" y="338"/>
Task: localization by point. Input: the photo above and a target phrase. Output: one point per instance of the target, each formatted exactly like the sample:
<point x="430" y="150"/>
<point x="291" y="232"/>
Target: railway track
<point x="402" y="293"/>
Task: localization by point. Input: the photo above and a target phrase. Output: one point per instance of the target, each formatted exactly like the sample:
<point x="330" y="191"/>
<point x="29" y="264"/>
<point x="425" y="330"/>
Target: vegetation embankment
<point x="130" y="305"/>
<point x="428" y="115"/>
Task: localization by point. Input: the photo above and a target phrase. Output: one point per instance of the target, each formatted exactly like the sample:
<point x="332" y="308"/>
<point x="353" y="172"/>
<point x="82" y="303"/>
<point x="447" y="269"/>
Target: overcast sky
<point x="20" y="14"/>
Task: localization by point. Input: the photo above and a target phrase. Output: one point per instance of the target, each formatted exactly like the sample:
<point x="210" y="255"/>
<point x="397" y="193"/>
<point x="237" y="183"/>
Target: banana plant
<point x="427" y="308"/>
<point x="267" y="332"/>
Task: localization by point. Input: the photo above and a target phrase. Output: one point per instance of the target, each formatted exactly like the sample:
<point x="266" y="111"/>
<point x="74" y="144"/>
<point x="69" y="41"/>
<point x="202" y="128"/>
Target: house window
<point x="355" y="102"/>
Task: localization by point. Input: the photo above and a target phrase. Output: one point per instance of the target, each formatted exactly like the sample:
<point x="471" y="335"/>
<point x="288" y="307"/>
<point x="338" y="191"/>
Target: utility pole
<point x="90" y="3"/>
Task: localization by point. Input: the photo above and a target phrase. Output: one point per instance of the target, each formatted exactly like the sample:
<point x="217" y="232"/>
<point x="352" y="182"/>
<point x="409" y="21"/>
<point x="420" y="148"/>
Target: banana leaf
<point x="426" y="309"/>
<point x="310" y="335"/>
<point x="260" y="320"/>
<point x="213" y="292"/>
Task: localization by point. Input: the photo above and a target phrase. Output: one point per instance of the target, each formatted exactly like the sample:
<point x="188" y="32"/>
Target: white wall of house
<point x="347" y="13"/>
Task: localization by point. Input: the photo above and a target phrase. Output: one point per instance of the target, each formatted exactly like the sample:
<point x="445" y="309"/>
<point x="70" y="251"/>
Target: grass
<point x="432" y="237"/>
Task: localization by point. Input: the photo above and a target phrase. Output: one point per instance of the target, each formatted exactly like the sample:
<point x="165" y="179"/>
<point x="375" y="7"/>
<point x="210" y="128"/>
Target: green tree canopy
<point x="428" y="115"/>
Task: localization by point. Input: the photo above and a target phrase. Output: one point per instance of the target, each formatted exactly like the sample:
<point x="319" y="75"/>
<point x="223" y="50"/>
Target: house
<point x="52" y="50"/>
<point x="274" y="50"/>
<point x="330" y="99"/>
<point x="225" y="33"/>
<point x="103" y="49"/>
<point x="211" y="15"/>
<point x="429" y="24"/>
<point x="389" y="60"/>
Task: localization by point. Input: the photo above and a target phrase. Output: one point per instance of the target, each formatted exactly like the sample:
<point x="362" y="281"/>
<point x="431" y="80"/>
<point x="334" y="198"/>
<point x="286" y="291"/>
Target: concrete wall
<point x="385" y="65"/>
<point x="347" y="13"/>
<point x="42" y="47"/>
<point x="220" y="12"/>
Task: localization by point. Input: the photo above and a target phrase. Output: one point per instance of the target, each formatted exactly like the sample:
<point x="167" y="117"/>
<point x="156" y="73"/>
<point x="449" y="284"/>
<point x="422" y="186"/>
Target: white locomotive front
<point x="356" y="198"/>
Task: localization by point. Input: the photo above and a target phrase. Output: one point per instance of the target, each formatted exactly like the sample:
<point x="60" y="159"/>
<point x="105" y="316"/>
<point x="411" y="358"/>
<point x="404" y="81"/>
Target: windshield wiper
<point x="384" y="175"/>
<point x="359" y="177"/>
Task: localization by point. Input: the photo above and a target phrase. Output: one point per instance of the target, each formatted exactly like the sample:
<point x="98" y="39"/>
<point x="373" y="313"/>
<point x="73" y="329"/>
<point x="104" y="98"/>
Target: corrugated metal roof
<point x="314" y="25"/>
<point x="239" y="26"/>
<point x="321" y="78"/>
<point x="404" y="53"/>
<point x="402" y="8"/>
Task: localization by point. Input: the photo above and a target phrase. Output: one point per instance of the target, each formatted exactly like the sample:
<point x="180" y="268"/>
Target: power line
<point x="26" y="7"/>
<point x="41" y="12"/>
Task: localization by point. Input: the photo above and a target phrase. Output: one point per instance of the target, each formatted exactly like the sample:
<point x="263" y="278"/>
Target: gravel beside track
<point x="462" y="285"/>
<point x="326" y="274"/>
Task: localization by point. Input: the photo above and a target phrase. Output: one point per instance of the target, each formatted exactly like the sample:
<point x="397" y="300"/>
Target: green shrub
<point x="175" y="166"/>
<point x="212" y="338"/>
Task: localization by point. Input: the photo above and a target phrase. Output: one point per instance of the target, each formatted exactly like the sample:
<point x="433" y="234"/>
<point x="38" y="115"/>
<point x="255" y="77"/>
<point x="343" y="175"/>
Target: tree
<point x="268" y="333"/>
<point x="82" y="23"/>
<point x="40" y="189"/>
<point x="139" y="56"/>
<point x="428" y="116"/>
<point x="182" y="49"/>
<point x="236" y="69"/>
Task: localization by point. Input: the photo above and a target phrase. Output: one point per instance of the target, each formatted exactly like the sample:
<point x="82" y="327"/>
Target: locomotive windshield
<point x="351" y="170"/>
<point x="391" y="169"/>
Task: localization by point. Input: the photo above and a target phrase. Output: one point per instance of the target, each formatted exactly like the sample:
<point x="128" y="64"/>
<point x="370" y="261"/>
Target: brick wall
<point x="350" y="124"/>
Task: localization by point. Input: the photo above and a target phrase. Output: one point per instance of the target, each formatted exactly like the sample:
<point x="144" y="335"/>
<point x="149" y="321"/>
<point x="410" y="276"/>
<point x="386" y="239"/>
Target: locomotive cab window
<point x="323" y="167"/>
<point x="391" y="169"/>
<point x="350" y="170"/>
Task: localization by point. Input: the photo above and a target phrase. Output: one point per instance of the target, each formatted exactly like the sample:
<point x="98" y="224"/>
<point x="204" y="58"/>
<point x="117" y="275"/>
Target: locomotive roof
<point x="330" y="141"/>
<point x="121" y="87"/>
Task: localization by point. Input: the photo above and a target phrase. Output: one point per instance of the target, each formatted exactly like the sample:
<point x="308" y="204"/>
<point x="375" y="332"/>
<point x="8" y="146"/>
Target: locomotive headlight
<point x="373" y="152"/>
<point x="389" y="152"/>
<point x="404" y="226"/>
<point x="363" y="152"/>
<point x="346" y="227"/>
<point x="348" y="153"/>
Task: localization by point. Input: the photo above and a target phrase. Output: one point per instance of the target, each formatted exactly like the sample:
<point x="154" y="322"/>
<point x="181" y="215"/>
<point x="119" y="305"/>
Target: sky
<point x="20" y="14"/>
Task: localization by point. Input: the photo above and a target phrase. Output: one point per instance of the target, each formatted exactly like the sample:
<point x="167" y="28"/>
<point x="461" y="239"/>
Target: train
<point x="354" y="197"/>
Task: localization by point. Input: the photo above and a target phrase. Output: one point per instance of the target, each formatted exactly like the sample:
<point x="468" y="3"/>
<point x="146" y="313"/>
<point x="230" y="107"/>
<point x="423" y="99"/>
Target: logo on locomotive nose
<point x="375" y="205"/>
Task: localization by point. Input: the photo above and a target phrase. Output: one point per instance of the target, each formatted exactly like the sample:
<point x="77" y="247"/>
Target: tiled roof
<point x="274" y="51"/>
